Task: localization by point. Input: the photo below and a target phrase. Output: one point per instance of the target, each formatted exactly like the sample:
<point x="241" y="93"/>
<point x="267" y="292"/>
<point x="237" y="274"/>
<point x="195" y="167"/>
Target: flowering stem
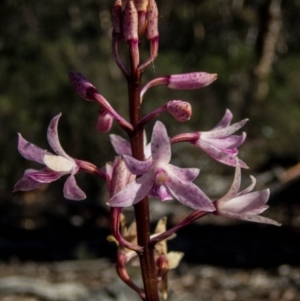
<point x="163" y="80"/>
<point x="188" y="220"/>
<point x="122" y="272"/>
<point x="142" y="208"/>
<point x="115" y="213"/>
<point x="151" y="115"/>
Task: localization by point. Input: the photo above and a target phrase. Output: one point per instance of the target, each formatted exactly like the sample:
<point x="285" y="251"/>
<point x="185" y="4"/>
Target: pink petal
<point x="219" y="154"/>
<point x="184" y="174"/>
<point x="44" y="175"/>
<point x="160" y="143"/>
<point x="134" y="192"/>
<point x="161" y="192"/>
<point x="72" y="191"/>
<point x="246" y="203"/>
<point x="137" y="167"/>
<point x="189" y="195"/>
<point x="251" y="218"/>
<point x="26" y="184"/>
<point x="120" y="145"/>
<point x="232" y="141"/>
<point x="30" y="151"/>
<point x="234" y="189"/>
<point x="190" y="81"/>
<point x="249" y="188"/>
<point x="226" y="131"/>
<point x="53" y="140"/>
<point x="225" y="121"/>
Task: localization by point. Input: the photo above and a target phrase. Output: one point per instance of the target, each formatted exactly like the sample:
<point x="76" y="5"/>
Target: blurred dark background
<point x="254" y="48"/>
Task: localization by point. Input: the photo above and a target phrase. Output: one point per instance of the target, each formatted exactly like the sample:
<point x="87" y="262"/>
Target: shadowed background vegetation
<point x="253" y="46"/>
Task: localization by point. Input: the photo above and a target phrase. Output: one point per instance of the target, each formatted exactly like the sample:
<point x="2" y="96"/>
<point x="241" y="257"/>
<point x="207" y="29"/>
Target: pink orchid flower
<point x="244" y="205"/>
<point x="161" y="179"/>
<point x="220" y="144"/>
<point x="56" y="165"/>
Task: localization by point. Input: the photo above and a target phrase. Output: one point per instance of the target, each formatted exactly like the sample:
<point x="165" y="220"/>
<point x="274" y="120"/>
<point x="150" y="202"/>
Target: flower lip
<point x="161" y="177"/>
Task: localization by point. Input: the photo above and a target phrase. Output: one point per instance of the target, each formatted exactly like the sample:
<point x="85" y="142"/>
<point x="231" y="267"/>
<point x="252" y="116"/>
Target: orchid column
<point x="143" y="170"/>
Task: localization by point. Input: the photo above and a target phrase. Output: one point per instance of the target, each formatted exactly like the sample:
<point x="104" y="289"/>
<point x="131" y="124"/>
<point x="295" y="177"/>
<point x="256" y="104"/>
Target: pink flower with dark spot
<point x="161" y="179"/>
<point x="244" y="205"/>
<point x="220" y="143"/>
<point x="55" y="165"/>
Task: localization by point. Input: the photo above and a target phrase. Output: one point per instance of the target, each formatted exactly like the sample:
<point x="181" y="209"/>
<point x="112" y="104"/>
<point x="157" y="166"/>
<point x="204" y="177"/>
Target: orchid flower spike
<point x="244" y="205"/>
<point x="161" y="179"/>
<point x="56" y="165"/>
<point x="220" y="144"/>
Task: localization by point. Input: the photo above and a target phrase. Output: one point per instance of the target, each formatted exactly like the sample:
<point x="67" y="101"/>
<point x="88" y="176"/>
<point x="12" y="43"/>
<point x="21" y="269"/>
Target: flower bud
<point x="141" y="7"/>
<point x="191" y="81"/>
<point x="117" y="17"/>
<point x="152" y="19"/>
<point x="120" y="176"/>
<point x="180" y="110"/>
<point x="83" y="87"/>
<point x="104" y="121"/>
<point x="130" y="23"/>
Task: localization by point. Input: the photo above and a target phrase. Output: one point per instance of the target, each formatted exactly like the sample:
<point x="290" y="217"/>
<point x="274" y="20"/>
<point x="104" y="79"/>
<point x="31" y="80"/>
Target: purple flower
<point x="161" y="179"/>
<point x="220" y="144"/>
<point x="244" y="205"/>
<point x="56" y="165"/>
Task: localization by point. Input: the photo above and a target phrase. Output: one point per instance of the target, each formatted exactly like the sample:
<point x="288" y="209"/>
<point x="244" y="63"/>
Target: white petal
<point x="58" y="163"/>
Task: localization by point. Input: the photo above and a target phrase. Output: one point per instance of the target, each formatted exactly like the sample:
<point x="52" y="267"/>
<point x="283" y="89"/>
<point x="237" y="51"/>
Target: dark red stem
<point x="142" y="208"/>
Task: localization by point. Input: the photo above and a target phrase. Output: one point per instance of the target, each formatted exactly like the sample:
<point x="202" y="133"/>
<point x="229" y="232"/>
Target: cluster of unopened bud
<point x="131" y="20"/>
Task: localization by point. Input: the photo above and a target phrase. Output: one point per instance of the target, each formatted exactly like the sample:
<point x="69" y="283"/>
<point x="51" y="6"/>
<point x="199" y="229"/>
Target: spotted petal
<point x="226" y="131"/>
<point x="225" y="156"/>
<point x="137" y="167"/>
<point x="189" y="194"/>
<point x="160" y="143"/>
<point x="184" y="174"/>
<point x="133" y="192"/>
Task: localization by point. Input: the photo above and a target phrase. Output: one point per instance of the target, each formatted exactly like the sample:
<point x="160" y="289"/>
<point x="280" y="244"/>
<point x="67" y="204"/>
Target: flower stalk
<point x="142" y="171"/>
